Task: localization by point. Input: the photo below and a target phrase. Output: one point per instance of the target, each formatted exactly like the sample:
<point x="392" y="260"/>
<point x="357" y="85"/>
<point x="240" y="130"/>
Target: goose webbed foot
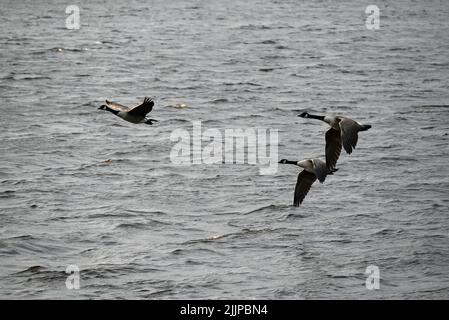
<point x="150" y="121"/>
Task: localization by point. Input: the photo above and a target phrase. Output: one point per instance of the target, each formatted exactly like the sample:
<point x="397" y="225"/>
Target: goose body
<point x="313" y="169"/>
<point x="135" y="114"/>
<point x="343" y="133"/>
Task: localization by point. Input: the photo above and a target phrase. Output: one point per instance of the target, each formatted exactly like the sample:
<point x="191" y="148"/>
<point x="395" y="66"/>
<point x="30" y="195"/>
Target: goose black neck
<point x="291" y="162"/>
<point x="315" y="117"/>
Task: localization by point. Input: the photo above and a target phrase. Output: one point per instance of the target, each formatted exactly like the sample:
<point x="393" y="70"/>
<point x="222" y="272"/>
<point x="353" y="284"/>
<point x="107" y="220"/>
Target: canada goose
<point x="136" y="114"/>
<point x="313" y="169"/>
<point x="342" y="130"/>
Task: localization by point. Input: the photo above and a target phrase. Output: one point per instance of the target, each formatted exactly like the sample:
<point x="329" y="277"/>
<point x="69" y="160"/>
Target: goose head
<point x="285" y="161"/>
<point x="102" y="107"/>
<point x="305" y="114"/>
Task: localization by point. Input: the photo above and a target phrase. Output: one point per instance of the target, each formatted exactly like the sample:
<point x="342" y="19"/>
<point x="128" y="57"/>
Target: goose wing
<point x="116" y="106"/>
<point x="349" y="134"/>
<point x="333" y="148"/>
<point x="319" y="167"/>
<point x="305" y="181"/>
<point x="142" y="109"/>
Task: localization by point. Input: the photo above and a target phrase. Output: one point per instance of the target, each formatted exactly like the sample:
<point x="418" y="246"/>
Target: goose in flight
<point x="313" y="169"/>
<point x="135" y="114"/>
<point x="344" y="131"/>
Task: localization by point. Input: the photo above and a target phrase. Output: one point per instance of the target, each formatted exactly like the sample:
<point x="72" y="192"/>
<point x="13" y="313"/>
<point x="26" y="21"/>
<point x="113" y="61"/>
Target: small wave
<point x="267" y="42"/>
<point x="216" y="122"/>
<point x="106" y="270"/>
<point x="274" y="57"/>
<point x="22" y="237"/>
<point x="398" y="158"/>
<point x="358" y="72"/>
<point x="245" y="232"/>
<point x="388" y="231"/>
<point x="293" y="216"/>
<point x="20" y="39"/>
<point x="220" y="100"/>
<point x="7" y="194"/>
<point x="440" y="64"/>
<point x="30" y="77"/>
<point x="32" y="269"/>
<point x="323" y="65"/>
<point x="435" y="106"/>
<point x="188" y="251"/>
<point x="88" y="104"/>
<point x="241" y="83"/>
<point x="142" y="225"/>
<point x="269" y="208"/>
<point x="406" y="69"/>
<point x="431" y="80"/>
<point x="120" y="214"/>
<point x="239" y="234"/>
<point x="59" y="49"/>
<point x="254" y="27"/>
<point x="177" y="120"/>
<point x="41" y="274"/>
<point x="208" y="239"/>
<point x="339" y="276"/>
<point x="131" y="225"/>
<point x="339" y="241"/>
<point x="9" y="76"/>
<point x="400" y="49"/>
<point x="240" y="117"/>
<point x="299" y="75"/>
<point x="143" y="212"/>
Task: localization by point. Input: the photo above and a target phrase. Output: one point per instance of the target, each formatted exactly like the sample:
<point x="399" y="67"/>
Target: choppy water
<point x="142" y="227"/>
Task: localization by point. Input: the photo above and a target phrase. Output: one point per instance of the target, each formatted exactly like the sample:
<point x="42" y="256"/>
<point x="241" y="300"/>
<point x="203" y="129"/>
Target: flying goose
<point x="313" y="169"/>
<point x="135" y="114"/>
<point x="343" y="131"/>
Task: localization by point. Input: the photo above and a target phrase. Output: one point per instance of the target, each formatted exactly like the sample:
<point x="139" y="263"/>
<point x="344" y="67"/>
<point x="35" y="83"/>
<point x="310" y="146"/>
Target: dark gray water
<point x="142" y="227"/>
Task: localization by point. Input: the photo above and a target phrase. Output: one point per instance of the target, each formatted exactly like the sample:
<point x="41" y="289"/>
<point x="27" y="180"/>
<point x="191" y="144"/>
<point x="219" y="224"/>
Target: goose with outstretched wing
<point x="313" y="169"/>
<point x="137" y="114"/>
<point x="343" y="133"/>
